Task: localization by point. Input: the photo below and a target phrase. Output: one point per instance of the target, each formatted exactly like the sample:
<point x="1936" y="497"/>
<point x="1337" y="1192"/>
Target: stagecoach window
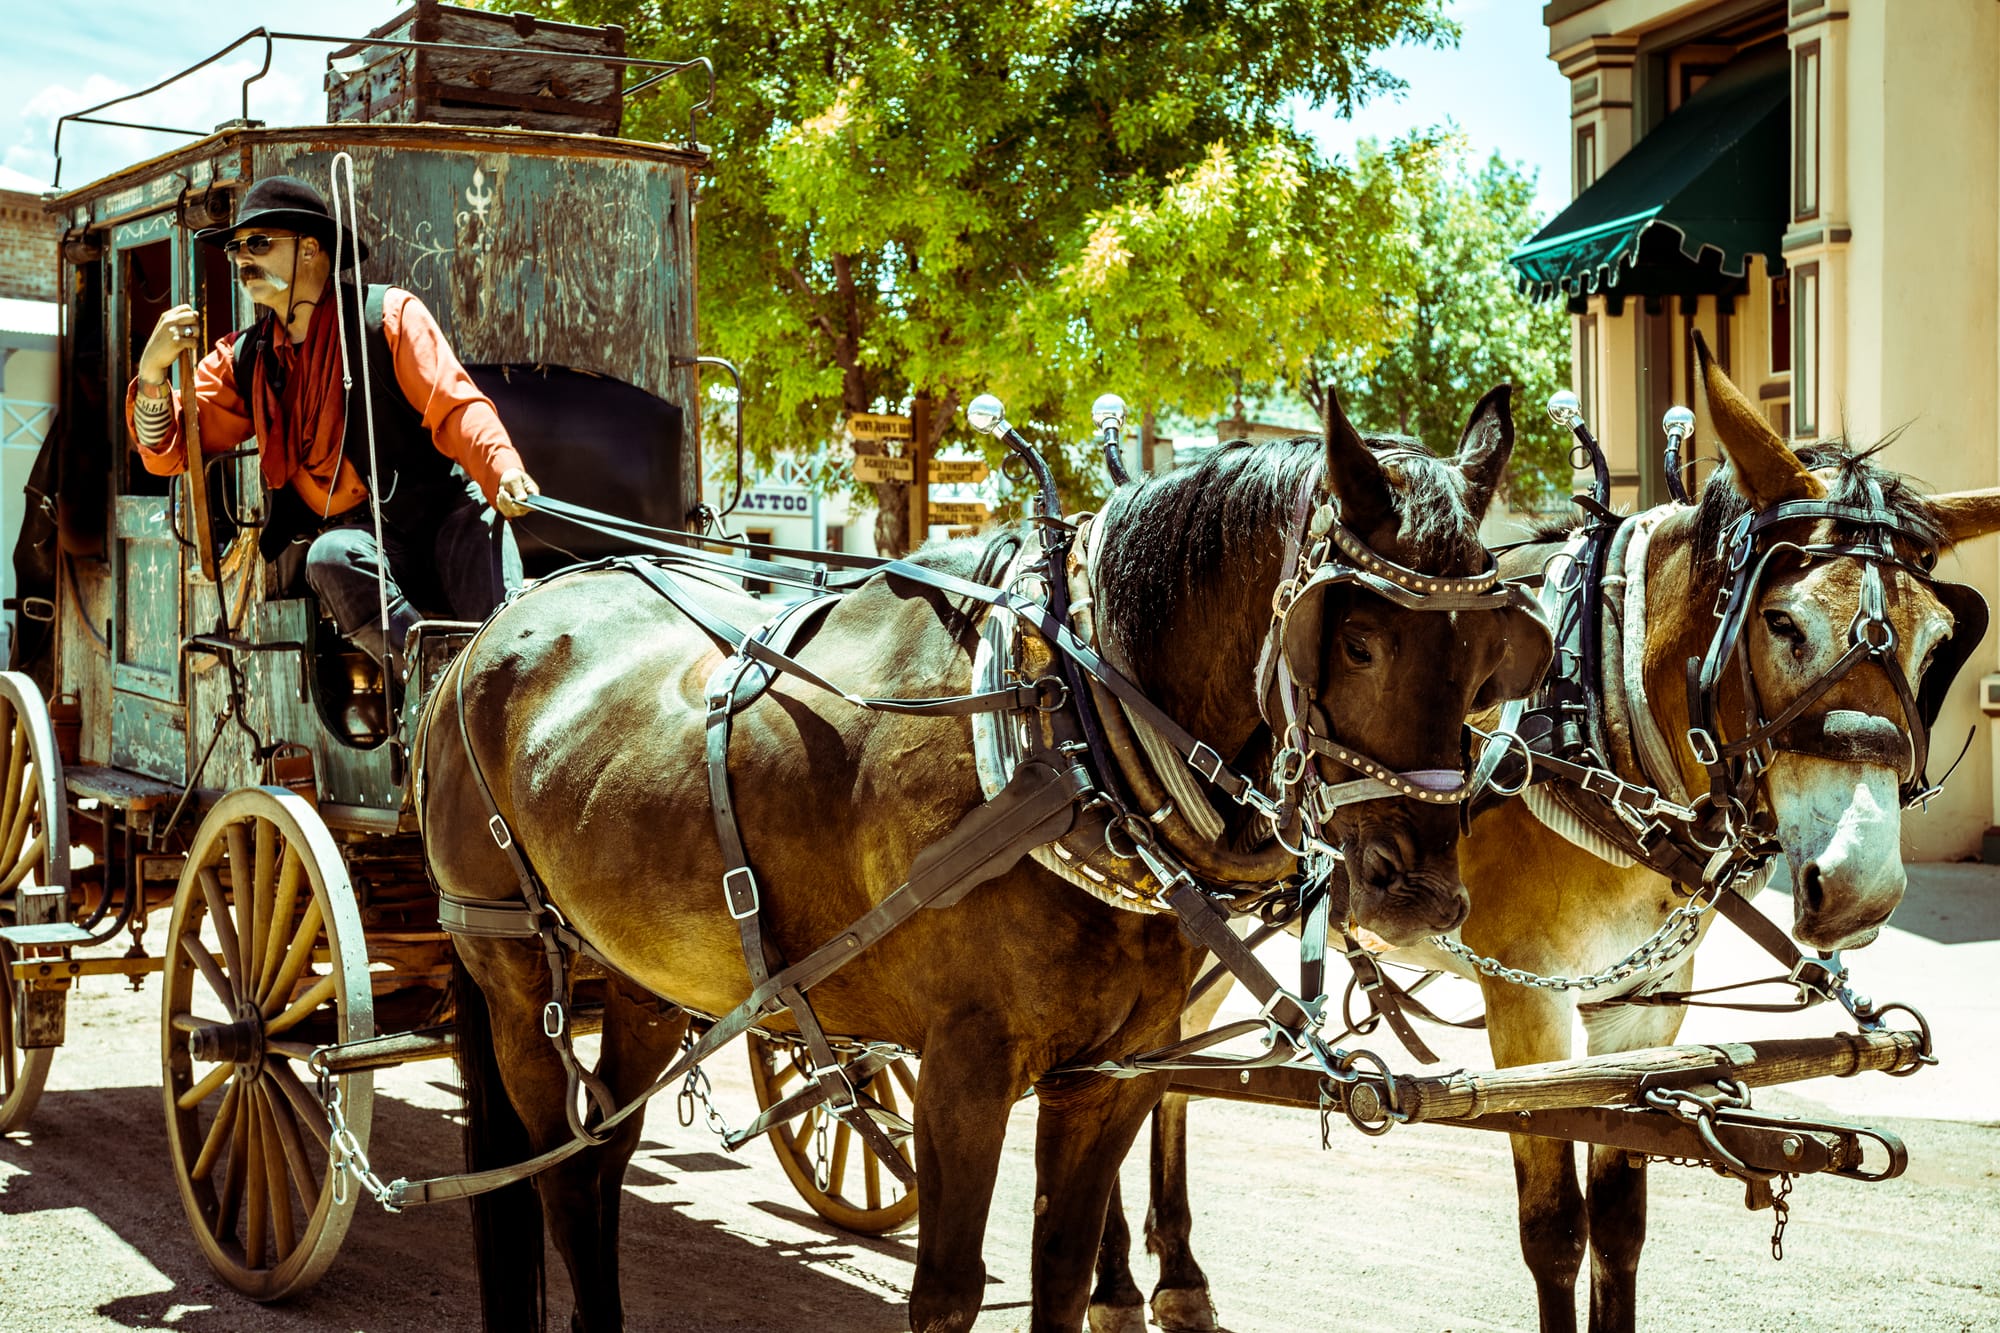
<point x="146" y="291"/>
<point x="836" y="536"/>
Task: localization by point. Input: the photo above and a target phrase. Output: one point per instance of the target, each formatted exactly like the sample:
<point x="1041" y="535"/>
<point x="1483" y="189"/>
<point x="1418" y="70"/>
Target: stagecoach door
<point x="154" y="267"/>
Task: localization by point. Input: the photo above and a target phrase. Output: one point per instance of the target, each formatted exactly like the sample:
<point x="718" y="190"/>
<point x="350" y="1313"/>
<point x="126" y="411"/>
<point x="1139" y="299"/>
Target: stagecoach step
<point x="45" y="936"/>
<point x="117" y="788"/>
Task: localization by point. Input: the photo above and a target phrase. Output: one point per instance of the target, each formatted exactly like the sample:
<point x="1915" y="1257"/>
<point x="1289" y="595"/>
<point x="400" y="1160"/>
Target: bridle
<point x="1323" y="554"/>
<point x="1749" y="548"/>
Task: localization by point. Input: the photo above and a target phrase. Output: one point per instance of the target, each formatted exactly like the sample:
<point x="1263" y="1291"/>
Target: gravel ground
<point x="1413" y="1231"/>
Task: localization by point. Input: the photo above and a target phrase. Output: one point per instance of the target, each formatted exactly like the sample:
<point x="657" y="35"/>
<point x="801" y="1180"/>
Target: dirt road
<point x="1413" y="1231"/>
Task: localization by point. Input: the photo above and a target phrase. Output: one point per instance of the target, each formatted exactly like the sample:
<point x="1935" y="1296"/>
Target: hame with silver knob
<point x="1108" y="415"/>
<point x="987" y="415"/>
<point x="1678" y="423"/>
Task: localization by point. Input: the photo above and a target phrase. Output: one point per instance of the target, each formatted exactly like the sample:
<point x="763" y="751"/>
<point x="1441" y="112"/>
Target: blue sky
<point x="1497" y="87"/>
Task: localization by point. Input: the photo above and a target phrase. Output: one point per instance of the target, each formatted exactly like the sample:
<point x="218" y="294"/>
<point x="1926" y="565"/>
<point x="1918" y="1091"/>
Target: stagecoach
<point x="198" y="763"/>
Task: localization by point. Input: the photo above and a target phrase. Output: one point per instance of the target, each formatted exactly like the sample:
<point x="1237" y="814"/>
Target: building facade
<point x="28" y="315"/>
<point x="1815" y="185"/>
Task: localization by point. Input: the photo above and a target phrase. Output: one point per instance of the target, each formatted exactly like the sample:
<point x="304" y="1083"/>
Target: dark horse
<point x="583" y="702"/>
<point x="1543" y="903"/>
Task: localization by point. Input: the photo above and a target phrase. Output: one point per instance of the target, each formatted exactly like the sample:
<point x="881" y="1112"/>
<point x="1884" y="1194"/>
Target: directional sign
<point x="958" y="515"/>
<point x="881" y="467"/>
<point x="957" y="471"/>
<point x="875" y="426"/>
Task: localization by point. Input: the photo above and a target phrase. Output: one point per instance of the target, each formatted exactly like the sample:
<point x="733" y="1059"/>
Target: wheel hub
<point x="240" y="1043"/>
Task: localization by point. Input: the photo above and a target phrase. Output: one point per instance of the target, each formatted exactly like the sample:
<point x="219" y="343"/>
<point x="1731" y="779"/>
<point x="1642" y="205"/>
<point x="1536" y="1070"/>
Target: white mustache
<point x="252" y="274"/>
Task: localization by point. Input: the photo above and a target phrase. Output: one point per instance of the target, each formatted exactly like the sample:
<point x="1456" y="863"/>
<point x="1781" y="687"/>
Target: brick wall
<point x="27" y="247"/>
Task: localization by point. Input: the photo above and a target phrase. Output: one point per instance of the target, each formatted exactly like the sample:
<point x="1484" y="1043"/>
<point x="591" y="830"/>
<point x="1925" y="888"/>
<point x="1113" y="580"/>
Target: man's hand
<point x="514" y="489"/>
<point x="179" y="328"/>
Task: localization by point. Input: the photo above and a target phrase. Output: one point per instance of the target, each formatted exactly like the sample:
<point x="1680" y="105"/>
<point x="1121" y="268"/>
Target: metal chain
<point x="1781" y="1213"/>
<point x="822" y="1170"/>
<point x="696" y="1088"/>
<point x="346" y="1156"/>
<point x="1675" y="937"/>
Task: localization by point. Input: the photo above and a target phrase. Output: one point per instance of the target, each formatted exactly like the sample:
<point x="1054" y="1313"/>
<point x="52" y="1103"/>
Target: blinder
<point x="1969" y="616"/>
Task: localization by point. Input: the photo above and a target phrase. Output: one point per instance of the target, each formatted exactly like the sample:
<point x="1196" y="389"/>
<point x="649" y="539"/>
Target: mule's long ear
<point x="1487" y="444"/>
<point x="1965" y="515"/>
<point x="1767" y="471"/>
<point x="1353" y="475"/>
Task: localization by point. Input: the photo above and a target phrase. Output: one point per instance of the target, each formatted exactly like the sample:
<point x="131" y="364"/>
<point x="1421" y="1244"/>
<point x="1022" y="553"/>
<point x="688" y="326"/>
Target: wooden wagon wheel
<point x="265" y="962"/>
<point x="32" y="804"/>
<point x="861" y="1195"/>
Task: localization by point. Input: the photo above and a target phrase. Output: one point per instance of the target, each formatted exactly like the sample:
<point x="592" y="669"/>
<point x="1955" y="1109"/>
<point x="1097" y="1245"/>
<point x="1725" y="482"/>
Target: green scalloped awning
<point x="1687" y="206"/>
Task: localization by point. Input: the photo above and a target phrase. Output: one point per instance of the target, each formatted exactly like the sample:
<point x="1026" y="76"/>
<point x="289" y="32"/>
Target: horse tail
<point x="507" y="1222"/>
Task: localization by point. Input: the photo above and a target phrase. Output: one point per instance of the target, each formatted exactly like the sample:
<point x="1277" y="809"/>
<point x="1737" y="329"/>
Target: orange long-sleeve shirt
<point x="461" y="419"/>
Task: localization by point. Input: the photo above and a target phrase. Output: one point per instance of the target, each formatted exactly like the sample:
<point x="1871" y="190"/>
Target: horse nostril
<point x="1809" y="884"/>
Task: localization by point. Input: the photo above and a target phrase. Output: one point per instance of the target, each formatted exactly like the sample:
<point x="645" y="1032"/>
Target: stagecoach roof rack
<point x="664" y="69"/>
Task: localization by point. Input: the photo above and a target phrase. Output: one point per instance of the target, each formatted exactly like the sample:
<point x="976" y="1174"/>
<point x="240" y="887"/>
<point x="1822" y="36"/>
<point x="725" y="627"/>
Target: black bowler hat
<point x="288" y="204"/>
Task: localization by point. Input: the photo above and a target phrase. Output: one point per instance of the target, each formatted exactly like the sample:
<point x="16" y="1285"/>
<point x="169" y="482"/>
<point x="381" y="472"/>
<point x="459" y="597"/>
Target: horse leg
<point x="1180" y="1297"/>
<point x="1180" y="1301"/>
<point x="1115" y="1303"/>
<point x="969" y="1089"/>
<point x="1617" y="1198"/>
<point x="1086" y="1126"/>
<point x="640" y="1038"/>
<point x="507" y="1222"/>
<point x="1526" y="1026"/>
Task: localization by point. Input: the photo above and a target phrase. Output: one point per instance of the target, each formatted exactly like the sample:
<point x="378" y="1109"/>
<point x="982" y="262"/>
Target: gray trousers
<point x="461" y="568"/>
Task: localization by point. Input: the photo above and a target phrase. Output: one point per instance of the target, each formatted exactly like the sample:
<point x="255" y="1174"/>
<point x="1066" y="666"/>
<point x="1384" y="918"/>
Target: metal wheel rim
<point x="878" y="1204"/>
<point x="31" y="771"/>
<point x="246" y="1133"/>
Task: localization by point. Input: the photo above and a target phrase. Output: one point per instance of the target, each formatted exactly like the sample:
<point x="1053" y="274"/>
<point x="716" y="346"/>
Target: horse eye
<point x="1356" y="650"/>
<point x="1785" y="628"/>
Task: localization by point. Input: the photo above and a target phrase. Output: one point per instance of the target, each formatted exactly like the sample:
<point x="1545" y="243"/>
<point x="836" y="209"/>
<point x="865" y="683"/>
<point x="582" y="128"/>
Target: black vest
<point x="418" y="488"/>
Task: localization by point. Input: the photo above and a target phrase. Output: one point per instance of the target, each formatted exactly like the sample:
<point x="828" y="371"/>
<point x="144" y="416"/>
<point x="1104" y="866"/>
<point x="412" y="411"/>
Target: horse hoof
<point x="1117" y="1319"/>
<point x="1184" y="1310"/>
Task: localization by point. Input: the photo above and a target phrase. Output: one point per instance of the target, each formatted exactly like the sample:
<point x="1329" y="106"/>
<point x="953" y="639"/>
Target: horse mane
<point x="1190" y="527"/>
<point x="1721" y="504"/>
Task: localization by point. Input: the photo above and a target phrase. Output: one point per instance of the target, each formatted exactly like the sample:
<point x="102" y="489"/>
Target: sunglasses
<point x="257" y="245"/>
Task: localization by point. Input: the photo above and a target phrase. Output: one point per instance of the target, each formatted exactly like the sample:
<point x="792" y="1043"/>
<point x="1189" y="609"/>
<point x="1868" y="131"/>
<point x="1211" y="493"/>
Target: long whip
<point x="343" y="221"/>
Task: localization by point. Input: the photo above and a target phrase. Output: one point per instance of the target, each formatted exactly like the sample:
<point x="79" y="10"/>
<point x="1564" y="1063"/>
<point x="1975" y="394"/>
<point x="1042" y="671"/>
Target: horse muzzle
<point x="1841" y="827"/>
<point x="1402" y="870"/>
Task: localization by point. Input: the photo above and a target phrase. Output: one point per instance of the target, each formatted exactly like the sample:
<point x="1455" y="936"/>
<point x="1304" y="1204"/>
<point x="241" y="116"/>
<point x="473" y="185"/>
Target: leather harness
<point x="1062" y="781"/>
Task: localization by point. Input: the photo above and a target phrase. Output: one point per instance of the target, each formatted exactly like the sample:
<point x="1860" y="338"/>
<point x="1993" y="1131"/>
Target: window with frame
<point x="1780" y="323"/>
<point x="1805" y="347"/>
<point x="1586" y="158"/>
<point x="1805" y="131"/>
<point x="1586" y="370"/>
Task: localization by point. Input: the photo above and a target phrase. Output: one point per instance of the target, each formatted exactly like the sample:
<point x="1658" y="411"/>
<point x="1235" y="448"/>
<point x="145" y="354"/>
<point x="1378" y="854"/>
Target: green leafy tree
<point x="1464" y="327"/>
<point x="1044" y="200"/>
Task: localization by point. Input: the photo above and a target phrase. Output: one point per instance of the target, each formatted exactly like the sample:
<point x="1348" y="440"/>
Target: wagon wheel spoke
<point x="34" y="848"/>
<point x="264" y="895"/>
<point x="860" y="1201"/>
<point x="305" y="1182"/>
<point x="218" y="1132"/>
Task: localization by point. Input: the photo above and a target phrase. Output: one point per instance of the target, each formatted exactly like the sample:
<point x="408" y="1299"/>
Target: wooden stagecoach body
<point x="531" y="248"/>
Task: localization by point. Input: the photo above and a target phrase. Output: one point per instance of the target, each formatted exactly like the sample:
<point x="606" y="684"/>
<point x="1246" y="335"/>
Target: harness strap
<point x="1010" y="823"/>
<point x="1386" y="998"/>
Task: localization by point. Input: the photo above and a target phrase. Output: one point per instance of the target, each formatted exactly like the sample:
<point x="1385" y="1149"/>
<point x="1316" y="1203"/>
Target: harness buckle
<point x="554" y="1020"/>
<point x="1706" y="752"/>
<point x="501" y="833"/>
<point x="1204" y="760"/>
<point x="39" y="609"/>
<point x="739" y="893"/>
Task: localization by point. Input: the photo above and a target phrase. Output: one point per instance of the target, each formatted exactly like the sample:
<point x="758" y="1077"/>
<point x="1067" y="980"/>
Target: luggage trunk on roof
<point x="535" y="92"/>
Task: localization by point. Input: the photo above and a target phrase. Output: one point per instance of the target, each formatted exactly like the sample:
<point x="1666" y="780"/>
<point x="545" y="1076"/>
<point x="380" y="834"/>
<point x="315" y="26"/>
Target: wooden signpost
<point x="915" y="466"/>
